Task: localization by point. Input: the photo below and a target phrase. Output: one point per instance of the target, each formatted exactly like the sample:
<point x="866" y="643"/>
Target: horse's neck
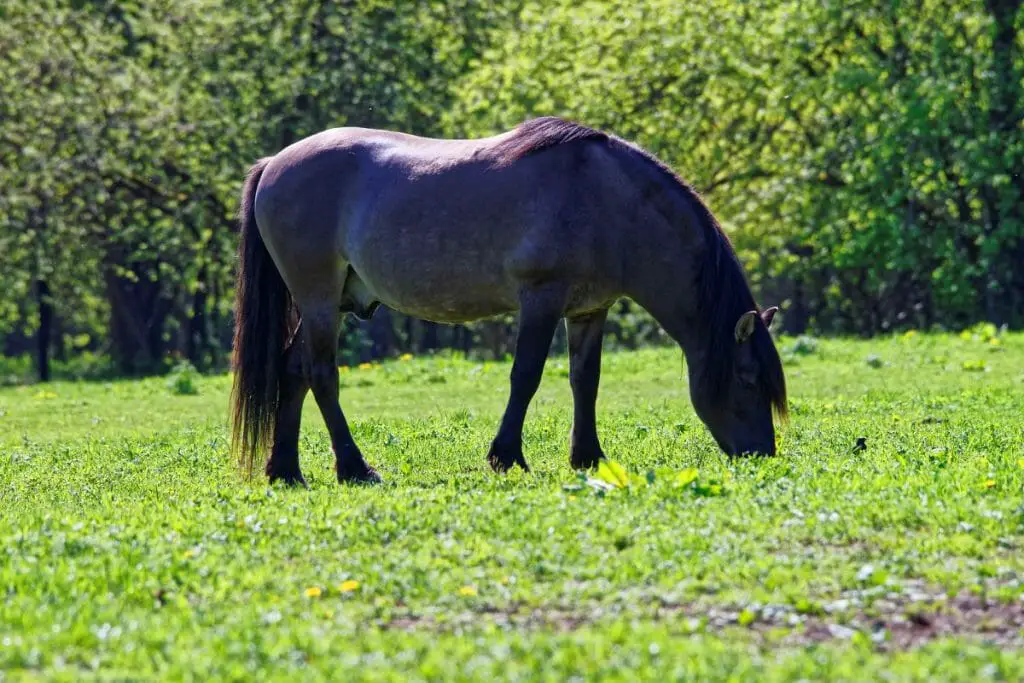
<point x="664" y="280"/>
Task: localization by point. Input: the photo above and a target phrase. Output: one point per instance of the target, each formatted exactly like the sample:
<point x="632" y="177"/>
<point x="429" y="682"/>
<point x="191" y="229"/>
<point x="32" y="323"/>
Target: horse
<point x="553" y="220"/>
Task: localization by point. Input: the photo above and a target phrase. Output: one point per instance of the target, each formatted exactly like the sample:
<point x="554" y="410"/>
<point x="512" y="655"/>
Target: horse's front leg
<point x="584" y="334"/>
<point x="539" y="313"/>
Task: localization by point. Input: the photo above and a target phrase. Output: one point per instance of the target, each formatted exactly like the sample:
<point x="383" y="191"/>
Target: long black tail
<point x="262" y="306"/>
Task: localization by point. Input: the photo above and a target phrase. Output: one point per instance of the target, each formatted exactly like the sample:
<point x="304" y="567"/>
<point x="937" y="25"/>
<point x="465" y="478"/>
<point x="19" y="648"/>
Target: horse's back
<point x="350" y="169"/>
<point x="440" y="229"/>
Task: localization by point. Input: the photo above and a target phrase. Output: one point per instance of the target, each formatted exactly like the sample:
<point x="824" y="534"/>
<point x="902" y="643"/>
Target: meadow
<point x="884" y="542"/>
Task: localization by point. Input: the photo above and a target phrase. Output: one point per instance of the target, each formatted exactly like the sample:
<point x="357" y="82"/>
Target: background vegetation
<point x="865" y="156"/>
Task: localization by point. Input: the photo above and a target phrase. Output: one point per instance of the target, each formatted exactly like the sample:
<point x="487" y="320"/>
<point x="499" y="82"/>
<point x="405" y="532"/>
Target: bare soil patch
<point x="889" y="619"/>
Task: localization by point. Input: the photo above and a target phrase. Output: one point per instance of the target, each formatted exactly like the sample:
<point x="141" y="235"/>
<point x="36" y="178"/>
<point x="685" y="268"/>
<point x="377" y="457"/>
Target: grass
<point x="132" y="549"/>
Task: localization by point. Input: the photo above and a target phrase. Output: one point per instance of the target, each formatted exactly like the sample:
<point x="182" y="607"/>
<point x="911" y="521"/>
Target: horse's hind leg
<point x="283" y="463"/>
<point x="540" y="311"/>
<point x="320" y="327"/>
<point x="584" y="335"/>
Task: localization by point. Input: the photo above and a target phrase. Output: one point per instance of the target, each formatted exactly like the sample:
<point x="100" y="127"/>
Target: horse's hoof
<point x="585" y="458"/>
<point x="289" y="479"/>
<point x="498" y="464"/>
<point x="502" y="460"/>
<point x="368" y="475"/>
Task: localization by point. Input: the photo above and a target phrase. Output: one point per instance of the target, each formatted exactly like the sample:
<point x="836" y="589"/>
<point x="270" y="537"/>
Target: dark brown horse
<point x="553" y="220"/>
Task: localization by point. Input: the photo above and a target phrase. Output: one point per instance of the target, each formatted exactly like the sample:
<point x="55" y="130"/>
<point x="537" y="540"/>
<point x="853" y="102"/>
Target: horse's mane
<point x="722" y="289"/>
<point x="537" y="135"/>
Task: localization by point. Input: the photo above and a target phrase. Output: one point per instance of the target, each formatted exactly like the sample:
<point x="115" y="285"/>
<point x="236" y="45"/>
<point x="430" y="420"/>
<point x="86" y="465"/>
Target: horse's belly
<point x="460" y="312"/>
<point x="450" y="307"/>
<point x="438" y="295"/>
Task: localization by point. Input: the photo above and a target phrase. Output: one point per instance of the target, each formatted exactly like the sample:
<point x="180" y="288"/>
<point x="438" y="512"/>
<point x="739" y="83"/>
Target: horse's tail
<point x="262" y="305"/>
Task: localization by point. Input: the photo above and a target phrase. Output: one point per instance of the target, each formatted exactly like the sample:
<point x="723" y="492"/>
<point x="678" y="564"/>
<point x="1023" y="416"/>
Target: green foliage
<point x="803" y="345"/>
<point x="182" y="379"/>
<point x="84" y="365"/>
<point x="131" y="544"/>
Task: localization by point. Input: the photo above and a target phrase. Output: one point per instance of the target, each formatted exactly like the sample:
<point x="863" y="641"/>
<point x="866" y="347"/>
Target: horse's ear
<point x="745" y="326"/>
<point x="768" y="314"/>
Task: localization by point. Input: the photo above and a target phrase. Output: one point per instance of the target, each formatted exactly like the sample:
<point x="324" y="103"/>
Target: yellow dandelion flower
<point x="467" y="591"/>
<point x="989" y="483"/>
<point x="405" y="356"/>
<point x="345" y="368"/>
<point x="348" y="586"/>
<point x="313" y="592"/>
<point x="365" y="366"/>
<point x="189" y="554"/>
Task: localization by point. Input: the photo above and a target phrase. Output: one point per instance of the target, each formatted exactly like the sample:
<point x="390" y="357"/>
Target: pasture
<point x="884" y="541"/>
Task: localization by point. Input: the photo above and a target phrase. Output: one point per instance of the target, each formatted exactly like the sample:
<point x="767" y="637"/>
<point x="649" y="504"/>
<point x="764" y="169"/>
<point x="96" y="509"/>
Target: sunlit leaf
<point x="612" y="473"/>
<point x="686" y="477"/>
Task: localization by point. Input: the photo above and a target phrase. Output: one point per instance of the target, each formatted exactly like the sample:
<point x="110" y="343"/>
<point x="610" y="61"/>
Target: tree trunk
<point x="45" y="329"/>
<point x="197" y="341"/>
<point x="138" y="317"/>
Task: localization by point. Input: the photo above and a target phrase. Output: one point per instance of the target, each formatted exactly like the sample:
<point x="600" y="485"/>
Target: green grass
<point x="133" y="550"/>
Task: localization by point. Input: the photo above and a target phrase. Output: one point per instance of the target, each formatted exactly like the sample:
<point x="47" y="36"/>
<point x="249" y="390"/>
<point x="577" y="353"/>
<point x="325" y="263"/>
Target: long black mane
<point x="722" y="289"/>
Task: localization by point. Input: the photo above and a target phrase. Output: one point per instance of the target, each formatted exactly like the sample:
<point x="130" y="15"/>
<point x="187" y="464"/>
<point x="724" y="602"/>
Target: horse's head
<point x="738" y="409"/>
